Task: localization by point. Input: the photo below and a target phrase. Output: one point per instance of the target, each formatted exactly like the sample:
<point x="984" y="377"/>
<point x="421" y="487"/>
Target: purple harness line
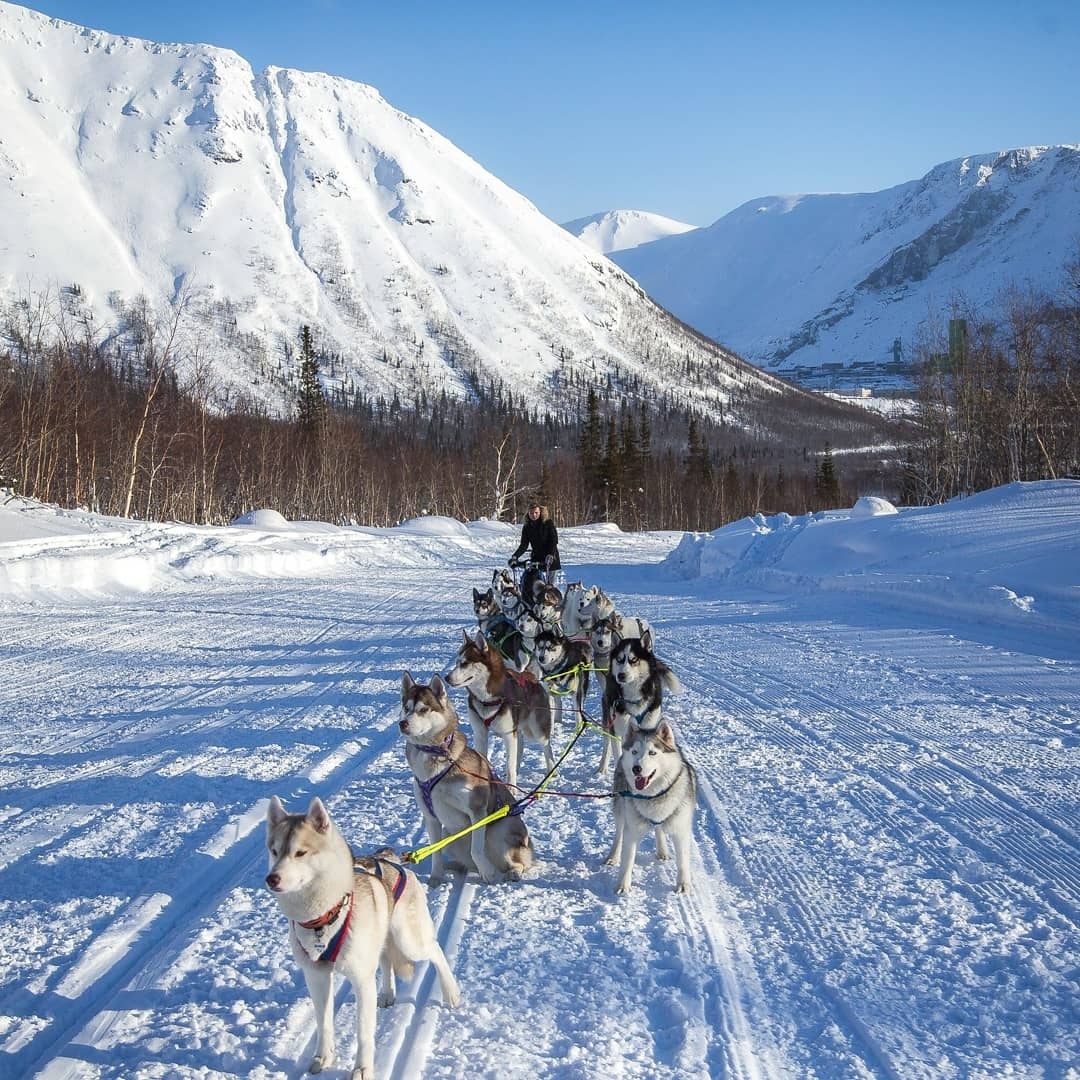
<point x="427" y="786"/>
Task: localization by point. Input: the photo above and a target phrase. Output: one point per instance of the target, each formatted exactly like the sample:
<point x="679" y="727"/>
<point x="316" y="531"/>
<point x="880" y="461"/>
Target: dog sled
<point x="527" y="572"/>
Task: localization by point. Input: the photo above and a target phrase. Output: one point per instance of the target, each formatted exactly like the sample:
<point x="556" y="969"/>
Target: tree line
<point x="998" y="395"/>
<point x="110" y="424"/>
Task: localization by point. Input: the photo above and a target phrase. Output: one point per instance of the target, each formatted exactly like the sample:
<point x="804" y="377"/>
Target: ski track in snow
<point x="784" y="961"/>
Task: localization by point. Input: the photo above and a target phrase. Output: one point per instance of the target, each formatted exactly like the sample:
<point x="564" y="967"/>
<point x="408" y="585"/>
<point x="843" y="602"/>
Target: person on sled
<point x="539" y="534"/>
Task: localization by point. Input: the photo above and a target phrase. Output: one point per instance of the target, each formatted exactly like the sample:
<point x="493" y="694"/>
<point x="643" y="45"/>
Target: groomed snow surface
<point x="882" y="709"/>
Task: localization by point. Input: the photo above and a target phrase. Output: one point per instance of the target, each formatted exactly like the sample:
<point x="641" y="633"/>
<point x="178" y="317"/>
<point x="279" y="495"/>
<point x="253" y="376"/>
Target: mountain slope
<point x="619" y="230"/>
<point x="815" y="279"/>
<point x="287" y="198"/>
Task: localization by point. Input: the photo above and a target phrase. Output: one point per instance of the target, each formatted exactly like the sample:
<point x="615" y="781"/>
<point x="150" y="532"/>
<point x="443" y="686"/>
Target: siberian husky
<point x="498" y="628"/>
<point x="347" y="918"/>
<point x="455" y="787"/>
<point x="513" y="704"/>
<point x="639" y="678"/>
<point x="507" y="594"/>
<point x="571" y="623"/>
<point x="549" y="608"/>
<point x="594" y="605"/>
<point x="529" y="627"/>
<point x="565" y="665"/>
<point x="655" y="788"/>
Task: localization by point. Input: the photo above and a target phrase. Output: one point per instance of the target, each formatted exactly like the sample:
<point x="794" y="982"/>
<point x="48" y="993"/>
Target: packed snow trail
<point x="886" y="846"/>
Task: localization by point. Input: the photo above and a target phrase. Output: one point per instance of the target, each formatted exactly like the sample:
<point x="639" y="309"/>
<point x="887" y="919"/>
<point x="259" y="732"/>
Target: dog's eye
<point x="273" y="851"/>
<point x="299" y="854"/>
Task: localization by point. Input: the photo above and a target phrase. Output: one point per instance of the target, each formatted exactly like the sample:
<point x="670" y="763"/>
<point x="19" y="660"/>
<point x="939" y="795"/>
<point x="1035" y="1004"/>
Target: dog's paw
<point x="386" y="999"/>
<point x="320" y="1062"/>
<point x="435" y="880"/>
<point x="684" y="887"/>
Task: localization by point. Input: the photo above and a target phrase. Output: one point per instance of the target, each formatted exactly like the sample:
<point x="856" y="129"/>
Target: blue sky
<point x="686" y="109"/>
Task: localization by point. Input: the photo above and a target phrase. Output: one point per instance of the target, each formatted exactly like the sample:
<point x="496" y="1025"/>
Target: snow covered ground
<point x="882" y="708"/>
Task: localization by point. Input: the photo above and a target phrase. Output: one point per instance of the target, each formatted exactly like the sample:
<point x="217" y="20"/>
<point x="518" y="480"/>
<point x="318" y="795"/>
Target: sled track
<point x="110" y="969"/>
<point x="945" y="803"/>
<point x="205" y="885"/>
<point x="935" y="785"/>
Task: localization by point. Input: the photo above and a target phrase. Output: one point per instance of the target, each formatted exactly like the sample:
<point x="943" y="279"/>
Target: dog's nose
<point x="403" y="726"/>
<point x="636" y="770"/>
<point x="273" y="881"/>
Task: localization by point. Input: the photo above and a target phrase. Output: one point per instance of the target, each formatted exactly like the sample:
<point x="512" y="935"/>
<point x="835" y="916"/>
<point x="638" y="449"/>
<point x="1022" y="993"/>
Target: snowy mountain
<point x="619" y="230"/>
<point x="806" y="280"/>
<point x="286" y="198"/>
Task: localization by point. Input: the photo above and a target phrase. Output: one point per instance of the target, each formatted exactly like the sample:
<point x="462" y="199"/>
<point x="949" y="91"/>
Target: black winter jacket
<point x="542" y="537"/>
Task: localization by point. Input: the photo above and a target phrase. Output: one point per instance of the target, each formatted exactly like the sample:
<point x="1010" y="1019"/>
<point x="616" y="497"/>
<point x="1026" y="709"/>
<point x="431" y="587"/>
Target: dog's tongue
<point x="641" y="782"/>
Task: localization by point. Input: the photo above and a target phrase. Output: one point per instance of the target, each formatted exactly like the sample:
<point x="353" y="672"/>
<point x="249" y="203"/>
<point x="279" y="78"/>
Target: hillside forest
<point x="126" y="424"/>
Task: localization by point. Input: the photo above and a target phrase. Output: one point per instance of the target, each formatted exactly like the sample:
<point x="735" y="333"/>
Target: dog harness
<point x="380" y="863"/>
<point x="564" y="682"/>
<point x="333" y="947"/>
<point x="427" y="786"/>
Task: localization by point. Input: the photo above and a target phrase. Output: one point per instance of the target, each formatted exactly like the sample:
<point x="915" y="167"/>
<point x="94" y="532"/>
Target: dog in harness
<point x="346" y="918"/>
<point x="455" y="787"/>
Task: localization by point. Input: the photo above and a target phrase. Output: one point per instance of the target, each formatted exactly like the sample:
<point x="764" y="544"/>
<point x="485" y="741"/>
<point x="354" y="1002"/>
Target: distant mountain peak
<point x="804" y="283"/>
<point x="620" y="230"/>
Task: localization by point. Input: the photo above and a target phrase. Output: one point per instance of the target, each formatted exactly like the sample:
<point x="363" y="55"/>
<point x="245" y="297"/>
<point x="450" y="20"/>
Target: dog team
<point x="356" y="915"/>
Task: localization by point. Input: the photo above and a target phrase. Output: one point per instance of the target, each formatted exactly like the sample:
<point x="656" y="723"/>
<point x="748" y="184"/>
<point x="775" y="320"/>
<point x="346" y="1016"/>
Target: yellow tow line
<point x="427" y="850"/>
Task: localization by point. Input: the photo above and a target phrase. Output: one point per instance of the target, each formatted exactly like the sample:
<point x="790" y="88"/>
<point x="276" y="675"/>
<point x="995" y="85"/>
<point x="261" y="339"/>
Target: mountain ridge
<point x="797" y="282"/>
<point x="277" y="199"/>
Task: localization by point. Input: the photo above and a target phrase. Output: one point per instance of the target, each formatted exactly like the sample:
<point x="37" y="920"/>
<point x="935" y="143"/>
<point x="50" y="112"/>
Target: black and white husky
<point x="637" y="676"/>
<point x="565" y="664"/>
<point x="655" y="789"/>
<point x="498" y="628"/>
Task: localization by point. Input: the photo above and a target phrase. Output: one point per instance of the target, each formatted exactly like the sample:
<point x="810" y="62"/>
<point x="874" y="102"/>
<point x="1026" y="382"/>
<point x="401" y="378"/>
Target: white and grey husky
<point x="594" y="605"/>
<point x="455" y="788"/>
<point x="655" y="788"/>
<point x="348" y="916"/>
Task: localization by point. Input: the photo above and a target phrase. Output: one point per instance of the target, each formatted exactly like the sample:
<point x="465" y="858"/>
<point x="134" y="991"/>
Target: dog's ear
<point x="465" y="639"/>
<point x="482" y="643"/>
<point x="318" y="816"/>
<point x="437" y="688"/>
<point x="407" y="682"/>
<point x="646" y="638"/>
<point x="275" y="812"/>
<point x="666" y="735"/>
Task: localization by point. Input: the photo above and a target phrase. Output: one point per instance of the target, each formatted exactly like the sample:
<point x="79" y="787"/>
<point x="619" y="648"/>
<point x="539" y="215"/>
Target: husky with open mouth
<point x="655" y="789"/>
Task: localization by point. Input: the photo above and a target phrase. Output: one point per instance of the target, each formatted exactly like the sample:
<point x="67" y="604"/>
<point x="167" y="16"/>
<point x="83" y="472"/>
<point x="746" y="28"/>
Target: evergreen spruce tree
<point x="590" y="448"/>
<point x="826" y="484"/>
<point x="311" y="405"/>
<point x="698" y="463"/>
